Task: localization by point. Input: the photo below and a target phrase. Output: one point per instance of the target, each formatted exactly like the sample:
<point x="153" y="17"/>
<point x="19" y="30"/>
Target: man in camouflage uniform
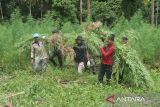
<point x="55" y="46"/>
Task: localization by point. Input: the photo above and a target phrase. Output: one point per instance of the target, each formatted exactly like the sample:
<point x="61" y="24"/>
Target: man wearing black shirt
<point x="80" y="51"/>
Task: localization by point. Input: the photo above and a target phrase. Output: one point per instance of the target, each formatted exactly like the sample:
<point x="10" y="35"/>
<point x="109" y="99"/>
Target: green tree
<point x="65" y="10"/>
<point x="106" y="11"/>
<point x="1" y="10"/>
<point x="88" y="8"/>
<point x="129" y="7"/>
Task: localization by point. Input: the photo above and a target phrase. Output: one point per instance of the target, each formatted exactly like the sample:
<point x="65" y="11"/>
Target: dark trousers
<point x="105" y="69"/>
<point x="57" y="53"/>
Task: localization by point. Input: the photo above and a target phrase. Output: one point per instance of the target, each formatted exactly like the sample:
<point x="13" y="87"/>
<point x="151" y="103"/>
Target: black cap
<point x="111" y="37"/>
<point x="55" y="31"/>
<point x="124" y="38"/>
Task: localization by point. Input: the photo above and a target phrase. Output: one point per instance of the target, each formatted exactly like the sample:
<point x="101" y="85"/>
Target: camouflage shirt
<point x="38" y="51"/>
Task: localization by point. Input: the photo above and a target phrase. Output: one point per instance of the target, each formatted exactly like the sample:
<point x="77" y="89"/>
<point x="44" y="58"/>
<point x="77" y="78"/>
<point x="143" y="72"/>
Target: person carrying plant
<point x="80" y="54"/>
<point x="55" y="45"/>
<point x="123" y="51"/>
<point x="124" y="40"/>
<point x="107" y="53"/>
<point x="38" y="53"/>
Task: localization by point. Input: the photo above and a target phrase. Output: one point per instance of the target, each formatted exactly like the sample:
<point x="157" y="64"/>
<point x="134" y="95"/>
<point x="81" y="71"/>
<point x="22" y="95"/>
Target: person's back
<point x="55" y="41"/>
<point x="55" y="46"/>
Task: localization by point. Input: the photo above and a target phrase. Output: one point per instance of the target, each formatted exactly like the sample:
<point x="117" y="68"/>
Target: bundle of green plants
<point x="127" y="59"/>
<point x="91" y="40"/>
<point x="129" y="69"/>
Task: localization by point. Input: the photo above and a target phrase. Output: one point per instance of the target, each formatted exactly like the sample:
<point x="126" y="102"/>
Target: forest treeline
<point x="76" y="11"/>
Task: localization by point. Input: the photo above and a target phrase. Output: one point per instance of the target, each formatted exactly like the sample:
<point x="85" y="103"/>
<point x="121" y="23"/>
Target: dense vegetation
<point x="21" y="18"/>
<point x="107" y="11"/>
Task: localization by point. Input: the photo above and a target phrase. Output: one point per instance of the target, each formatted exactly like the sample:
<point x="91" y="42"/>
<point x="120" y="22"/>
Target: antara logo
<point x="112" y="99"/>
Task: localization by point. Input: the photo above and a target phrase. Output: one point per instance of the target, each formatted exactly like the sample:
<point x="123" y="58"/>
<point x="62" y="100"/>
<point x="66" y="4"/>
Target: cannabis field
<point x="20" y="87"/>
